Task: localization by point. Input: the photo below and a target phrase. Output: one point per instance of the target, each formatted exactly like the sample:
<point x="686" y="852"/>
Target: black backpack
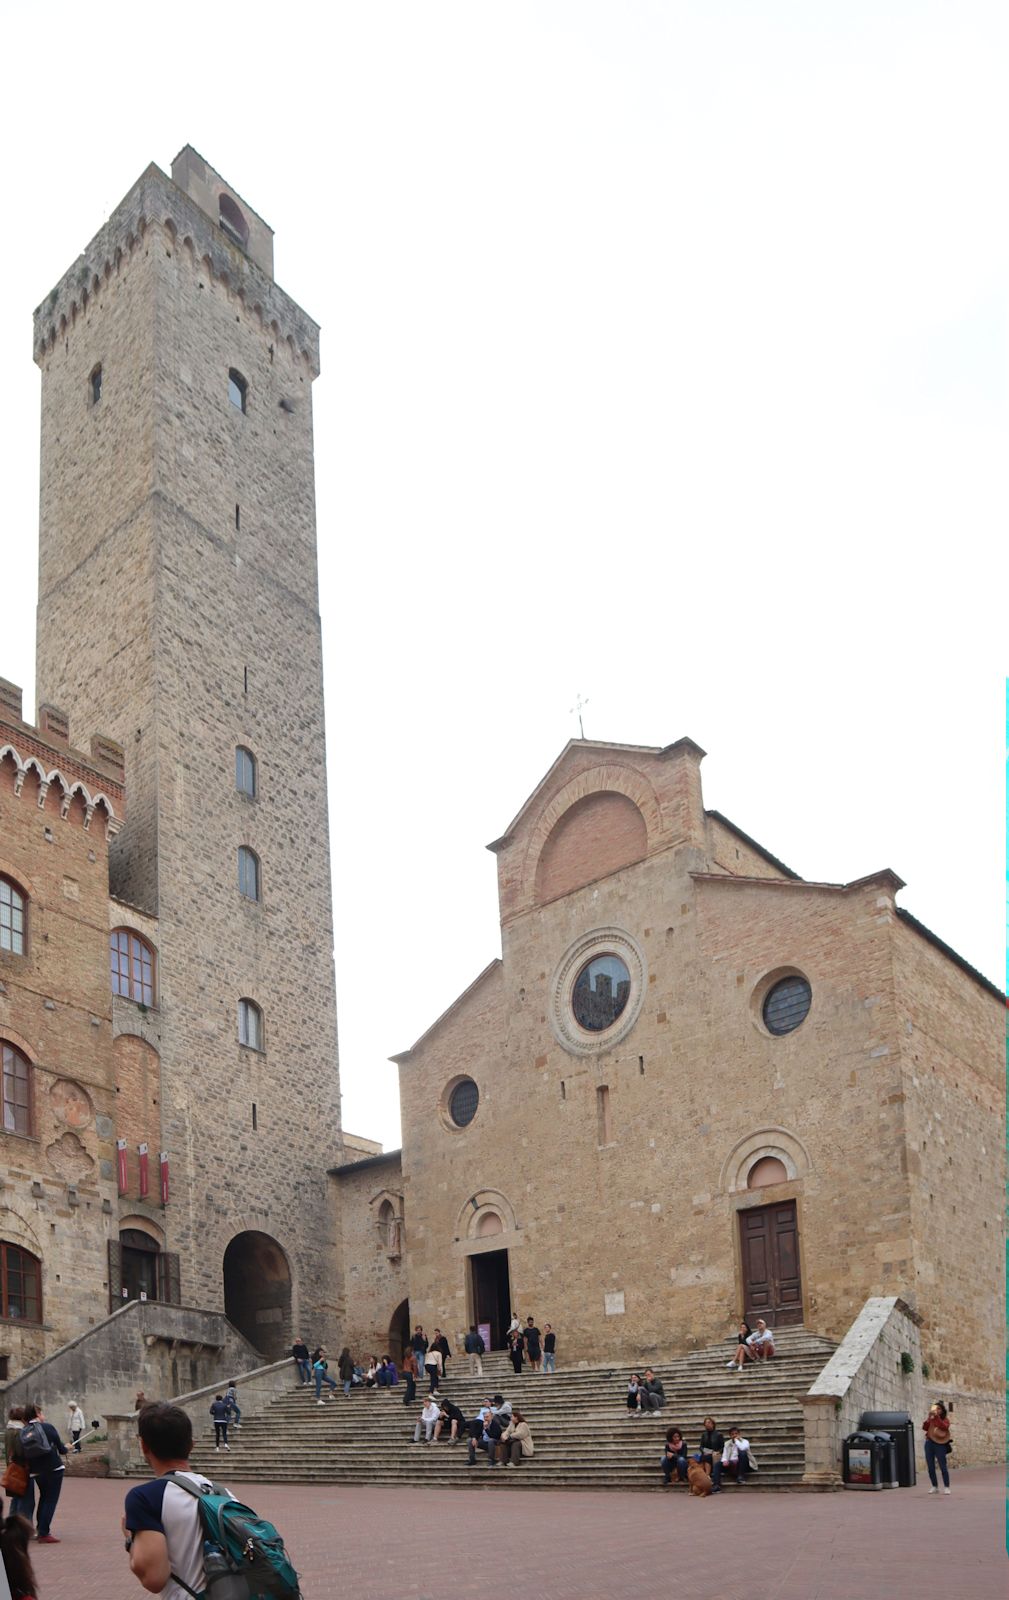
<point x="34" y="1441"/>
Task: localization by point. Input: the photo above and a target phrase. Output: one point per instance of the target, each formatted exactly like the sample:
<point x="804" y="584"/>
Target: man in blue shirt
<point x="164" y="1533"/>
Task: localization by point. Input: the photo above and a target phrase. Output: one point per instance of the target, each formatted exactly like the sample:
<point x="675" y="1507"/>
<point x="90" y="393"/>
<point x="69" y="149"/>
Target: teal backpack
<point x="243" y="1555"/>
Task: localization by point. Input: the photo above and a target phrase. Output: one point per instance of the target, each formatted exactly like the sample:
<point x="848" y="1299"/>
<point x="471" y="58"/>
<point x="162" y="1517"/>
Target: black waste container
<point x="901" y="1428"/>
<point x="887" y="1458"/>
<point x="863" y="1461"/>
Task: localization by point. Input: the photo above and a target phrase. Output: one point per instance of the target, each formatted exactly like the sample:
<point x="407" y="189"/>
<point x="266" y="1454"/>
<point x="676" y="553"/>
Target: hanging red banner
<point x="121" y="1165"/>
<point x="163" y="1158"/>
<point x="145" y="1185"/>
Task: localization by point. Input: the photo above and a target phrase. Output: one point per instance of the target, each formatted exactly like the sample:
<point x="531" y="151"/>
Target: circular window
<point x="786" y="1005"/>
<point x="463" y="1101"/>
<point x="600" y="993"/>
<point x="596" y="991"/>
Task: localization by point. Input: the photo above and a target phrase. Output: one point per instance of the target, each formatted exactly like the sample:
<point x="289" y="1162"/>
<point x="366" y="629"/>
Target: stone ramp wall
<point x="865" y="1373"/>
<point x="164" y="1350"/>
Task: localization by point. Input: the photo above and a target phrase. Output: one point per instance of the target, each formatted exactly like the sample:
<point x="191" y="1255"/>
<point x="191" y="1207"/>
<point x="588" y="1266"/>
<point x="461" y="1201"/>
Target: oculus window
<point x="600" y="993"/>
<point x="462" y="1103"/>
<point x="786" y="1005"/>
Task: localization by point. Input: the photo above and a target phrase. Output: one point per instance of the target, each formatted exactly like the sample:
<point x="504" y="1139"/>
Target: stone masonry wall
<point x="189" y="525"/>
<point x="865" y="1373"/>
<point x="375" y="1268"/>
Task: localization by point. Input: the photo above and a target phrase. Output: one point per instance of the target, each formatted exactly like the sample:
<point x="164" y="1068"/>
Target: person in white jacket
<point x="428" y="1418"/>
<point x="736" y="1455"/>
<point x="76" y="1425"/>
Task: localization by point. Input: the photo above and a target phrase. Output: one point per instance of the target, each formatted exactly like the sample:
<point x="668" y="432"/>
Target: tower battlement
<point x="158" y="209"/>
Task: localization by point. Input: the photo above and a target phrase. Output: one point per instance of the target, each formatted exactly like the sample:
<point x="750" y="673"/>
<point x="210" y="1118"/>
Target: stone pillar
<point x="822" y="1434"/>
<point x="124" y="1448"/>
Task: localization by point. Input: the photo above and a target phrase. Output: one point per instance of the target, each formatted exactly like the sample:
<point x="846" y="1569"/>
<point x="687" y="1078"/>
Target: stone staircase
<point x="584" y="1436"/>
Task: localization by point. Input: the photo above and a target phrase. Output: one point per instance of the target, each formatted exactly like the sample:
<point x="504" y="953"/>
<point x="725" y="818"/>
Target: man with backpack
<point x="184" y="1533"/>
<point x="41" y="1449"/>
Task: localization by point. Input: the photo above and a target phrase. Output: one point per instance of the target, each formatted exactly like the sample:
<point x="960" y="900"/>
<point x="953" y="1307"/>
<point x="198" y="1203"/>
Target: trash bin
<point x="887" y="1458"/>
<point x="901" y="1428"/>
<point x="863" y="1461"/>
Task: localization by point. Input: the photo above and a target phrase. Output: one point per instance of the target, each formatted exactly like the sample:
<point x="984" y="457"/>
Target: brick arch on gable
<point x="632" y="840"/>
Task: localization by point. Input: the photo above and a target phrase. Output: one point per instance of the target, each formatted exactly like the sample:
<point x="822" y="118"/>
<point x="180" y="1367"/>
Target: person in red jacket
<point x="937" y="1445"/>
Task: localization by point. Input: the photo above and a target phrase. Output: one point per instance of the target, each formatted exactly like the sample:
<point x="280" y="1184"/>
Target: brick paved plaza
<point x="375" y="1544"/>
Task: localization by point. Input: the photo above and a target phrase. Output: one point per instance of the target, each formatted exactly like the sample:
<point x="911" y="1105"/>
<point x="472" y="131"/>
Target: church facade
<point x="695" y="1087"/>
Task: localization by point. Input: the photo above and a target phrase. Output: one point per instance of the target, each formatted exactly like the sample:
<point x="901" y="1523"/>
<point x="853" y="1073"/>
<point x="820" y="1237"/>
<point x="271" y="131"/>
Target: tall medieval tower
<point x="177" y="524"/>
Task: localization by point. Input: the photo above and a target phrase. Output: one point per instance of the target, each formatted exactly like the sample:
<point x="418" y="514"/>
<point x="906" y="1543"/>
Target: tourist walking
<point x="76" y="1424"/>
<point x="518" y="1441"/>
<point x="531" y="1335"/>
<point x="345" y="1367"/>
<point x="433" y="1368"/>
<point x="220" y="1411"/>
<point x="21" y="1504"/>
<point x="418" y="1345"/>
<point x="937" y="1446"/>
<point x="474" y="1346"/>
<point x="517" y="1350"/>
<point x="440" y="1343"/>
<point x="44" y="1454"/>
<point x="549" y="1348"/>
<point x="234" y="1410"/>
<point x="320" y="1370"/>
<point x="410" y="1376"/>
<point x="164" y="1533"/>
<point x="299" y="1351"/>
<point x="712" y="1445"/>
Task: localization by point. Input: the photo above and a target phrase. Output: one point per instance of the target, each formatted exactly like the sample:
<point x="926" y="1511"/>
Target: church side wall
<point x="952" y="1054"/>
<point x="374" y="1260"/>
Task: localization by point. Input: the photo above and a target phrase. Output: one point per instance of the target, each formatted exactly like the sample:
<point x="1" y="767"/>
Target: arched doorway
<point x="399" y="1332"/>
<point x="257" y="1292"/>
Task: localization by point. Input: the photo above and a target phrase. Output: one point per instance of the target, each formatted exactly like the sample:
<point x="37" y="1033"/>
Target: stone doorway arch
<point x="257" y="1292"/>
<point x="399" y="1332"/>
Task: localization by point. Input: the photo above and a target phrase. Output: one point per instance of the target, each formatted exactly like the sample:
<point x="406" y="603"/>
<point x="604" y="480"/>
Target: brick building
<point x="695" y="1086"/>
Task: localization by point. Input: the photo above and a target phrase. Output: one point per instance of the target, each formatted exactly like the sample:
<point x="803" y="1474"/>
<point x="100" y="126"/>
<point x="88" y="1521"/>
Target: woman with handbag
<point x="16" y="1479"/>
<point x="937" y="1445"/>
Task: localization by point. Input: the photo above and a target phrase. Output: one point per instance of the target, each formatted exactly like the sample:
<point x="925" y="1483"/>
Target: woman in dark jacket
<point x="517" y="1353"/>
<point x="345" y="1367"/>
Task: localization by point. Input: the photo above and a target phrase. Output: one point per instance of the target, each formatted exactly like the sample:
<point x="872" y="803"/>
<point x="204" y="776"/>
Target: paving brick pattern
<point x="375" y="1544"/>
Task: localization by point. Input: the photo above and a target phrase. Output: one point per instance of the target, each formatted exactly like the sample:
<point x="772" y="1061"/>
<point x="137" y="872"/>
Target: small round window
<point x="463" y="1101"/>
<point x="786" y="1005"/>
<point x="600" y="993"/>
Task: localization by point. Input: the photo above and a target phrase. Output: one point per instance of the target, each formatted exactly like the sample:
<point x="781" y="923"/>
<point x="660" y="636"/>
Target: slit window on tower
<point x="95" y="384"/>
<point x="238" y="390"/>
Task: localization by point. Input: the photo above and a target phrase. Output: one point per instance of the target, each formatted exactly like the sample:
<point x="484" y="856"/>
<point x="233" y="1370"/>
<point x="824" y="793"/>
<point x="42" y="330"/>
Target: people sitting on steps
<point x="736" y="1457"/>
<point x="758" y="1347"/>
<point x="388" y="1373"/>
<point x="674" y="1456"/>
<point x="634" y="1395"/>
<point x="652" y="1395"/>
<point x="427" y="1421"/>
<point x="711" y="1447"/>
<point x="517" y="1440"/>
<point x="741" y="1339"/>
<point x="449" y="1415"/>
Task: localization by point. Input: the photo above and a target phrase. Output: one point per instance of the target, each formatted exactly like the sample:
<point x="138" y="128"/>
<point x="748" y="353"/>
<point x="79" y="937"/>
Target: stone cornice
<point x="73" y="775"/>
<point x="155" y="201"/>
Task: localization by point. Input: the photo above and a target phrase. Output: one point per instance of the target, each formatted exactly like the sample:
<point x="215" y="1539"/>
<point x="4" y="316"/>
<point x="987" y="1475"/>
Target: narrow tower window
<point x="250" y="1024"/>
<point x="95" y="382"/>
<point x="248" y="873"/>
<point x="245" y="772"/>
<point x="232" y="221"/>
<point x="17" y="1099"/>
<point x="12" y="918"/>
<point x="238" y="390"/>
<point x="604" y="1132"/>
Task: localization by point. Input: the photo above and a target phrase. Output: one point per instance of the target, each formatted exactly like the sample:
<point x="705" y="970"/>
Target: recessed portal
<point x="491" y="1294"/>
<point x="257" y="1292"/>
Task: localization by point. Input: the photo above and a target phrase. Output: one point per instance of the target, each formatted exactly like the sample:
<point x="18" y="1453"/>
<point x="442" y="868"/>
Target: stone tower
<point x="178" y="609"/>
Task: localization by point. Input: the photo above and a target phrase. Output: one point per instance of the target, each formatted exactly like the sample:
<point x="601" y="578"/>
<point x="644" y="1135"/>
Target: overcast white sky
<point x="664" y="354"/>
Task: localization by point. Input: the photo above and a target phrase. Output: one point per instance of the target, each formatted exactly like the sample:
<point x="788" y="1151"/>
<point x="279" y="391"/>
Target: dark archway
<point x="399" y="1332"/>
<point x="257" y="1292"/>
